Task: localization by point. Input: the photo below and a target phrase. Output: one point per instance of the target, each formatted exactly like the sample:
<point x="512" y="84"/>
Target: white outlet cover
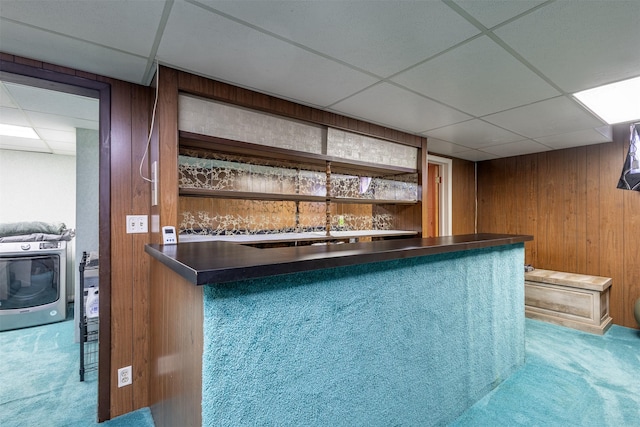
<point x="124" y="376"/>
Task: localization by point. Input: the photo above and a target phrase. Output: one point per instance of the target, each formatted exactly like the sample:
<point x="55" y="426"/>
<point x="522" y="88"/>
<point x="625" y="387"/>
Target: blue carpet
<point x="570" y="378"/>
<point x="40" y="384"/>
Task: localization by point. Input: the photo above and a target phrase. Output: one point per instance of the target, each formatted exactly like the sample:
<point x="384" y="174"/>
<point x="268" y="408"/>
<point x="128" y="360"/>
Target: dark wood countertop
<point x="204" y="263"/>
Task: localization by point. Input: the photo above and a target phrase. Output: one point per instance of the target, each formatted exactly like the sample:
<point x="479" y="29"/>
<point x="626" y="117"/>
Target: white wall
<point x="86" y="199"/>
<point x="37" y="187"/>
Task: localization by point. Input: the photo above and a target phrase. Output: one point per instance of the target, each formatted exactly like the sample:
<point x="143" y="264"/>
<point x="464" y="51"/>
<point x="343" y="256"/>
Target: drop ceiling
<point x="481" y="79"/>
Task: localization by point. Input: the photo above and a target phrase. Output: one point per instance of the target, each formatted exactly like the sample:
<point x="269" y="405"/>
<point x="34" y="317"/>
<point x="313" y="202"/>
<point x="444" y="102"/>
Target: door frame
<point x="445" y="200"/>
<point x="70" y="83"/>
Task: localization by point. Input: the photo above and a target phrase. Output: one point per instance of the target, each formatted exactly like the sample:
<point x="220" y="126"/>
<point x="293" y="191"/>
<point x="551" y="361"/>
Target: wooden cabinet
<point x="239" y="191"/>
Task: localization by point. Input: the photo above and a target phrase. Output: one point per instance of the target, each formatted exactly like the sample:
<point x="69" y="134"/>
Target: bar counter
<point x="391" y="332"/>
<point x="212" y="262"/>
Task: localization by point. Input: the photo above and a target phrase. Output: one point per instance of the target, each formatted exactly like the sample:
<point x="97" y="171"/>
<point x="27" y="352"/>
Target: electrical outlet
<point x="137" y="224"/>
<point x="124" y="376"/>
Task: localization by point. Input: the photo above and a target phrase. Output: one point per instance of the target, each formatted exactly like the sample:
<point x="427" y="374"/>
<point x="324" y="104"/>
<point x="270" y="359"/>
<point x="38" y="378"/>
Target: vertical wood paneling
<point x="611" y="225"/>
<point x="176" y="366"/>
<point x="526" y="191"/>
<point x="512" y="224"/>
<point x="581" y="209"/>
<point x="141" y="195"/>
<point x="593" y="211"/>
<point x="463" y="197"/>
<point x="121" y="244"/>
<point x="567" y="199"/>
<point x="570" y="198"/>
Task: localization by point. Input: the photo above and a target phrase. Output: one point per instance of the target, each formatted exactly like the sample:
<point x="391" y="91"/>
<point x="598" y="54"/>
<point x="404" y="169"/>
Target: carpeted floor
<point x="570" y="378"/>
<point x="40" y="384"/>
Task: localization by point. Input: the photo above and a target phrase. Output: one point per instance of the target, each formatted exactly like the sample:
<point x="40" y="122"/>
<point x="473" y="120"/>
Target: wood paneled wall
<point x="568" y="200"/>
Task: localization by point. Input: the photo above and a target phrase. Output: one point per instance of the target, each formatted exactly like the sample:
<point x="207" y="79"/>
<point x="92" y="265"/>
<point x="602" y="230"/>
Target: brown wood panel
<point x="592" y="249"/>
<point x="581" y="197"/>
<point x="121" y="244"/>
<point x="568" y="159"/>
<point x="526" y="191"/>
<point x="611" y="225"/>
<point x="463" y="197"/>
<point x="511" y="222"/>
<point x="176" y="362"/>
<point x="167" y="151"/>
<point x="580" y="221"/>
<point x="141" y="196"/>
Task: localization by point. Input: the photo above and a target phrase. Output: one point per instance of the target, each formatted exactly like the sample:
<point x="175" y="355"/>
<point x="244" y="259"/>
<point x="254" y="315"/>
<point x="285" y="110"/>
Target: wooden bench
<point x="574" y="300"/>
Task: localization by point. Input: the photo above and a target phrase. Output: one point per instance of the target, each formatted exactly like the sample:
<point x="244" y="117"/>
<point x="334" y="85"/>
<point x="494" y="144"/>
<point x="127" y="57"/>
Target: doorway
<point x="35" y="77"/>
<point x="439" y="196"/>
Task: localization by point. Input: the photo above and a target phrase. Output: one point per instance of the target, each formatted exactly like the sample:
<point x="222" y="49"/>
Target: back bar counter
<point x="392" y="332"/>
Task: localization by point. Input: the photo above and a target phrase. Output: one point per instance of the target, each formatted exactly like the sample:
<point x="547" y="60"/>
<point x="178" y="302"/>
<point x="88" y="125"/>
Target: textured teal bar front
<point x="410" y="342"/>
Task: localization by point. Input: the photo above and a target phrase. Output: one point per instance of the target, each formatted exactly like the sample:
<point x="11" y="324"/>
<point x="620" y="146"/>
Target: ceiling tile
<point x="398" y="108"/>
<point x="54" y="121"/>
<point x="13" y="116"/>
<point x="5" y="99"/>
<point x="48" y="101"/>
<point x="474" y="134"/>
<point x="129" y="26"/>
<point x="57" y="49"/>
<point x="579" y="44"/>
<point x="475" y="156"/>
<point x="517" y="148"/>
<point x="550" y="117"/>
<point x="231" y="52"/>
<point x="382" y="37"/>
<point x="478" y="78"/>
<point x="574" y="139"/>
<point x="492" y="12"/>
<point x="439" y="146"/>
<point x="26" y="144"/>
<point x="60" y="136"/>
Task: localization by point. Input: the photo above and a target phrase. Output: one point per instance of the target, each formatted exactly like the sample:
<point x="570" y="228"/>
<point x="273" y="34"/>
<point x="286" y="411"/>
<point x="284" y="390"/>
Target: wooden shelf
<point x="247" y="195"/>
<point x="248" y="239"/>
<point x="338" y="165"/>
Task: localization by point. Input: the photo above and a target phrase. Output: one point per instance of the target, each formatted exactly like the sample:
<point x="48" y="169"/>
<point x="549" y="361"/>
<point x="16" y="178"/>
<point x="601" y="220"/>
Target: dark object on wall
<point x="636" y="311"/>
<point x="630" y="178"/>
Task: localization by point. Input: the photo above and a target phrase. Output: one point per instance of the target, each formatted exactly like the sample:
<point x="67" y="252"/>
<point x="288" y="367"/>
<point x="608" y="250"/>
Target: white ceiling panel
<point x="517" y="148"/>
<point x="5" y="99"/>
<point x="474" y="134"/>
<point x="60" y="122"/>
<point x="60" y="136"/>
<point x="383" y="37"/>
<point x="574" y="139"/>
<point x="498" y="81"/>
<point x="476" y="156"/>
<point x="579" y="44"/>
<point x="13" y="116"/>
<point x="129" y="26"/>
<point x="493" y="12"/>
<point x="398" y="108"/>
<point x="550" y="117"/>
<point x="57" y="49"/>
<point x="48" y="101"/>
<point x="439" y="146"/>
<point x="269" y="65"/>
<point x="16" y="143"/>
